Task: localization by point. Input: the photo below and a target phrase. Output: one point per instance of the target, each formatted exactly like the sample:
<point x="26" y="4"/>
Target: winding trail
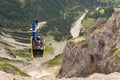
<point x="9" y="40"/>
<point x="77" y="25"/>
<point x="40" y="24"/>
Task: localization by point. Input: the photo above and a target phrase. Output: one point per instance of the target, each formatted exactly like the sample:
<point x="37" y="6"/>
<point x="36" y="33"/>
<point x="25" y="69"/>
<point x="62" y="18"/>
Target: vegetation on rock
<point x="99" y="53"/>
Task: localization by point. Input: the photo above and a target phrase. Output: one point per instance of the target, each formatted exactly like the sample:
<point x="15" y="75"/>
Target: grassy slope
<point x="54" y="62"/>
<point x="7" y="66"/>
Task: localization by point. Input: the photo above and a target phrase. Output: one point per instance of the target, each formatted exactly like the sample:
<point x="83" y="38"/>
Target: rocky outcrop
<point x="99" y="53"/>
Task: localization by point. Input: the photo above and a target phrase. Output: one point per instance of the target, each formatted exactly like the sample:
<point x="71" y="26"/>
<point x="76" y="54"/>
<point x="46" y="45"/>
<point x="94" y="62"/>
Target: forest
<point x="17" y="15"/>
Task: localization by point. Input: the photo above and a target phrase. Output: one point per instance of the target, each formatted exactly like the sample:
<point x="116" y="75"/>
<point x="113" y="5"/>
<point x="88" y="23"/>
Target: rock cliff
<point x="99" y="53"/>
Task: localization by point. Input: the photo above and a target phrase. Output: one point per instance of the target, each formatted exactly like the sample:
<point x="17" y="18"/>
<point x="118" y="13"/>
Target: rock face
<point x="99" y="53"/>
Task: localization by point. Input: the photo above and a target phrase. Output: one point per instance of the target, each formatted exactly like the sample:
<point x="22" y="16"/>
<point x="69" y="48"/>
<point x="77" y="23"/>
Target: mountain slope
<point x="17" y="15"/>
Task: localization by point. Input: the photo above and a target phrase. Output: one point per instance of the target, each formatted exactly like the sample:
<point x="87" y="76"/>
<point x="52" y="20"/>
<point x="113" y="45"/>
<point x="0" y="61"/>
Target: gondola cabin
<point x="37" y="43"/>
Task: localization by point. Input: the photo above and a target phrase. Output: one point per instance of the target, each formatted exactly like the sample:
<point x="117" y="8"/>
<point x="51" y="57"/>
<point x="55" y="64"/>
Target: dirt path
<point x="40" y="24"/>
<point x="9" y="40"/>
<point x="77" y="25"/>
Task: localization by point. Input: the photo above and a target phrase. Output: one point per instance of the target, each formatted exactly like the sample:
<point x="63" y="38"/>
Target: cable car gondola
<point x="37" y="43"/>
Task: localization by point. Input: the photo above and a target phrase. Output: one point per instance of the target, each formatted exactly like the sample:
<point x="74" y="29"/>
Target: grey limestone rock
<point x="99" y="53"/>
